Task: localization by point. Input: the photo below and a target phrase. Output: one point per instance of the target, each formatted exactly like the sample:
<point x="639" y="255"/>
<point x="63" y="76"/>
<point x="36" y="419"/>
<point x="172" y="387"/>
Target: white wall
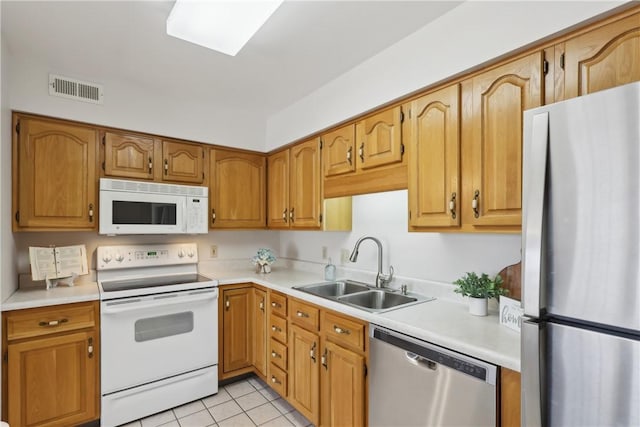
<point x="472" y="33"/>
<point x="132" y="106"/>
<point x="441" y="257"/>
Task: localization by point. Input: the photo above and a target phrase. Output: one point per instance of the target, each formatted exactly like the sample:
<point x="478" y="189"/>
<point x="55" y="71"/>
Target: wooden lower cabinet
<point x="510" y="411"/>
<point x="235" y="330"/>
<point x="342" y="386"/>
<point x="304" y="373"/>
<point x="51" y="375"/>
<point x="259" y="331"/>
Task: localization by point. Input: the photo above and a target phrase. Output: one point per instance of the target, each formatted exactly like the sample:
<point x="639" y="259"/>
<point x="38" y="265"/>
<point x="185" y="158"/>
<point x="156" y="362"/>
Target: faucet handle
<point x="390" y="277"/>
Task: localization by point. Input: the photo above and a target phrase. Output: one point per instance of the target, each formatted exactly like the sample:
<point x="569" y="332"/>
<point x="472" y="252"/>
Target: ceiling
<point x="304" y="45"/>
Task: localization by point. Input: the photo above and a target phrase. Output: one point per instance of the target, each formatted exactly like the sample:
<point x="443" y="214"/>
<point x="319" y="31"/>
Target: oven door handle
<point x="159" y="301"/>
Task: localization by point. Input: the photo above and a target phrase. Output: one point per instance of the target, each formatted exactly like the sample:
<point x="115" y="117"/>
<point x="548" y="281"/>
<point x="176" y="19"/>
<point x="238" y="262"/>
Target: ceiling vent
<point x="67" y="87"/>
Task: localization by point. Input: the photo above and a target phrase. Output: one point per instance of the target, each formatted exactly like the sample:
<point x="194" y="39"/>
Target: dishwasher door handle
<point x="418" y="360"/>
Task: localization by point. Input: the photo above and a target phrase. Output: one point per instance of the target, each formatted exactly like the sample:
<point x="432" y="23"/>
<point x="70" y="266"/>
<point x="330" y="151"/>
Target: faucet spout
<point x="381" y="279"/>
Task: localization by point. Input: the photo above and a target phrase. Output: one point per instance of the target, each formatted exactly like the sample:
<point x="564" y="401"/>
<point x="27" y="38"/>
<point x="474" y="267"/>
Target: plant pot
<point x="266" y="268"/>
<point x="478" y="306"/>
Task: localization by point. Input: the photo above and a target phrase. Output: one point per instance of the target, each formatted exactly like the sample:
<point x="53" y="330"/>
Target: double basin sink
<point x="362" y="296"/>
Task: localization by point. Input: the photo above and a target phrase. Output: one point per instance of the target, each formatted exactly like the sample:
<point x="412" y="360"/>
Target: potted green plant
<point x="479" y="289"/>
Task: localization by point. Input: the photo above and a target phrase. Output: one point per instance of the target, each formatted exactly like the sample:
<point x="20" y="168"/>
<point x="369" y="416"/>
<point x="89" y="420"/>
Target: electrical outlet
<point x="344" y="256"/>
<point x="213" y="252"/>
<point x="324" y="252"/>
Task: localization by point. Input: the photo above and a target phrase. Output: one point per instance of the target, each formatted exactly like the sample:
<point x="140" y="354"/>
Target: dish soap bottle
<point x="330" y="271"/>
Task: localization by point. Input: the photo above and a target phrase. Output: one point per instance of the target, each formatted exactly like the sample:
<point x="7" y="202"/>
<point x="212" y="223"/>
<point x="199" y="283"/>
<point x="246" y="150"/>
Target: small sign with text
<point x="510" y="313"/>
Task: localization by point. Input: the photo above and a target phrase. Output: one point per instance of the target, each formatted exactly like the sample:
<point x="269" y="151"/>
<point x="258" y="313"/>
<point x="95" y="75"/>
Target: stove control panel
<point x="131" y="256"/>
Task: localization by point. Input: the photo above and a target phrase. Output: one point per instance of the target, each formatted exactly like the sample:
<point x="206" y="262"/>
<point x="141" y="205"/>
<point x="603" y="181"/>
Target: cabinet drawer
<point x="278" y="304"/>
<point x="344" y="331"/>
<point x="278" y="328"/>
<point x="278" y="380"/>
<point x="40" y="321"/>
<point x="278" y="354"/>
<point x="305" y="315"/>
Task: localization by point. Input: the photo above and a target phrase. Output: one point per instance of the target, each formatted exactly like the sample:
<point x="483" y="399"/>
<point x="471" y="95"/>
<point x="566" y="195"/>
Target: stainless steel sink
<point x="363" y="296"/>
<point x="377" y="299"/>
<point x="334" y="289"/>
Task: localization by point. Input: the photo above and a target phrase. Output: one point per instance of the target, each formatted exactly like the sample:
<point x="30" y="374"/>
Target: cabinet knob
<point x="166" y="166"/>
<point x="275" y="329"/>
<point x="302" y="314"/>
<point x="275" y="380"/>
<point x="349" y="155"/>
<point x="227" y="304"/>
<point x="275" y="355"/>
<point x="361" y="152"/>
<point x="262" y="305"/>
<point x="323" y="359"/>
<point x="90" y="212"/>
<point x="284" y="215"/>
<point x="213" y="216"/>
<point x="312" y="352"/>
<point x="291" y="215"/>
<point x="150" y="164"/>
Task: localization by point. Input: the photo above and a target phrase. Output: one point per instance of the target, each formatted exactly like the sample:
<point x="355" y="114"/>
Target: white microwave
<point x="137" y="207"/>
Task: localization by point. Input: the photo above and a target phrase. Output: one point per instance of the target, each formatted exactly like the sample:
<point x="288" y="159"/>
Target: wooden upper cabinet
<point x="492" y="138"/>
<point x="433" y="132"/>
<point x="379" y="139"/>
<point x="55" y="166"/>
<point x="237" y="190"/>
<point x="603" y="58"/>
<point x="338" y="151"/>
<point x="278" y="190"/>
<point x="305" y="196"/>
<point x="128" y="156"/>
<point x="294" y="186"/>
<point x="182" y="162"/>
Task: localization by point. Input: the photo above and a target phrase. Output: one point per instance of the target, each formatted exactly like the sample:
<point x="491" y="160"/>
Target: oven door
<point x="152" y="337"/>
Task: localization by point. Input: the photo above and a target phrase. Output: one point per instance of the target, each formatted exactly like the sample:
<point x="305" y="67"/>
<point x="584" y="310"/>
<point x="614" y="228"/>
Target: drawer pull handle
<point x="53" y="322"/>
<point x="312" y="352"/>
<point x="276" y="329"/>
<point x="275" y="355"/>
<point x="90" y="347"/>
<point x="276" y="305"/>
<point x="275" y="380"/>
<point x="475" y="204"/>
<point x="339" y="330"/>
<point x="301" y="314"/>
<point x="262" y="305"/>
<point x="323" y="359"/>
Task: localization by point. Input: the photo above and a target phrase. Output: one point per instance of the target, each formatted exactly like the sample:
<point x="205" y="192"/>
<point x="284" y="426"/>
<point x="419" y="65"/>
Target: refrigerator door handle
<point x="534" y="173"/>
<point x="531" y="388"/>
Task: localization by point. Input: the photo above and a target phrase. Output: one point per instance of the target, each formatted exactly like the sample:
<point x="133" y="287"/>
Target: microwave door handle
<point x="534" y="172"/>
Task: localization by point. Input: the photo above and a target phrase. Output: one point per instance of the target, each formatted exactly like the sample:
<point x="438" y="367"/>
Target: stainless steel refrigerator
<point x="581" y="261"/>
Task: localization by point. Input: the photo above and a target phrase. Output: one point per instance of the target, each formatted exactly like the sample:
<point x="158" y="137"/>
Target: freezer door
<point x="587" y="378"/>
<point x="590" y="240"/>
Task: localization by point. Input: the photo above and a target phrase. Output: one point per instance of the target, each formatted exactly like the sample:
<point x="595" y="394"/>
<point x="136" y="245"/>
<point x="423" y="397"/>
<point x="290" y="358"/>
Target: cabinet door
<point x="56" y="175"/>
<point x="128" y="156"/>
<point x="338" y="151"/>
<point x="343" y="387"/>
<point x="434" y="164"/>
<point x="53" y="381"/>
<point x="237" y="189"/>
<point x="305" y="192"/>
<point x="509" y="398"/>
<point x="493" y="140"/>
<point x="379" y="139"/>
<point x="236" y="329"/>
<point x="259" y="331"/>
<point x="182" y="162"/>
<point x="278" y="190"/>
<point x="603" y="58"/>
<point x="304" y="374"/>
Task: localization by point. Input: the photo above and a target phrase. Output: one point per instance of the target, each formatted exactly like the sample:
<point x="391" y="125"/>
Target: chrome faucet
<point x="382" y="280"/>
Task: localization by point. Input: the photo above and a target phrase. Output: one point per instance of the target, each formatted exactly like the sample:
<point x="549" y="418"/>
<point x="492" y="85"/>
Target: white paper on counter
<point x="56" y="262"/>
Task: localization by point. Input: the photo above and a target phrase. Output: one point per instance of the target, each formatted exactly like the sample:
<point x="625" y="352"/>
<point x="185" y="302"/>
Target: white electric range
<point x="159" y="330"/>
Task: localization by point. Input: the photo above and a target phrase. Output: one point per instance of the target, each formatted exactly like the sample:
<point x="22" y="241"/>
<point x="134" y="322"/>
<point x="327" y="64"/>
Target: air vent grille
<point x="67" y="87"/>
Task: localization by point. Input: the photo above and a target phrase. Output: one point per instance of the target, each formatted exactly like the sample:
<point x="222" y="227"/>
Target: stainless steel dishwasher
<point x="416" y="383"/>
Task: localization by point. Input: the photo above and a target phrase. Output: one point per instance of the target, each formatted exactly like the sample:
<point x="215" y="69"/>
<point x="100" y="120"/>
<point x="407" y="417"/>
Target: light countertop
<point x="442" y="322"/>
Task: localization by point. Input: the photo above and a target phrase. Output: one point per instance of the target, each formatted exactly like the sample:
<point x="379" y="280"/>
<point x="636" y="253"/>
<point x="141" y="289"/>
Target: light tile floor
<point x="249" y="402"/>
